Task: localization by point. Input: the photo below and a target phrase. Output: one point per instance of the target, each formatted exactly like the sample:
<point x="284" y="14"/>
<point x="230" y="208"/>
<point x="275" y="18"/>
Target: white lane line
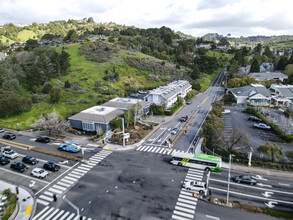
<point x="47" y="213"/>
<point x="212" y="217"/>
<point x="48" y="193"/>
<point x="284" y="184"/>
<point x="150" y="149"/>
<point x="183" y="214"/>
<point x="57" y="216"/>
<point x="184" y="209"/>
<point x="55" y="191"/>
<point x="59" y="187"/>
<point x="188" y="197"/>
<point x="257" y="197"/>
<point x="176" y="217"/>
<point x="50" y="216"/>
<point x="177" y="124"/>
<point x="42" y="202"/>
<point x="185" y="205"/>
<point x="253" y="187"/>
<point x="50" y="199"/>
<point x="64" y="216"/>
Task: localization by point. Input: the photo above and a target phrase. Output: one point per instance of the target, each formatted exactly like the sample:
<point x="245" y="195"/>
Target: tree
<point x="196" y="86"/>
<point x="90" y="20"/>
<point x="55" y="95"/>
<point x="224" y="41"/>
<point x="31" y="44"/>
<point x="71" y="36"/>
<point x="257" y="49"/>
<point x="235" y="137"/>
<point x="268" y="52"/>
<point x="255" y="66"/>
<point x="52" y="123"/>
<point x="64" y="61"/>
<point x="282" y="63"/>
<point x="271" y="150"/>
<point x="195" y="74"/>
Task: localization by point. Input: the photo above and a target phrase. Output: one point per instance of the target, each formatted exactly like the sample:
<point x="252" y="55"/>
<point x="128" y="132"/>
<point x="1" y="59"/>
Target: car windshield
<point x="41" y="171"/>
<point x="10" y="152"/>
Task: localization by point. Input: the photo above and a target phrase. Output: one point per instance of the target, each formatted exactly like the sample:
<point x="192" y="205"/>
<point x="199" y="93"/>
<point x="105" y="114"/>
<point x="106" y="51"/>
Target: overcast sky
<point x="194" y="17"/>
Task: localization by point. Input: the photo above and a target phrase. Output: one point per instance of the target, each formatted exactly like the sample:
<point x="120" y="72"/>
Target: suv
<point x="254" y="118"/>
<point x="51" y="166"/>
<point x="30" y="160"/>
<point x="189" y="102"/>
<point x="20" y="167"/>
<point x="195" y="185"/>
<point x="184" y="118"/>
<point x="3" y="160"/>
<point x="11" y="154"/>
<point x="43" y="139"/>
<point x="262" y="126"/>
<point x="9" y="136"/>
<point x="39" y="172"/>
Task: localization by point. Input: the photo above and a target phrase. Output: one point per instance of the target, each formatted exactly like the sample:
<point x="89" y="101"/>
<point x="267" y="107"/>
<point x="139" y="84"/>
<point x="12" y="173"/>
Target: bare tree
<point x="236" y="137"/>
<point x="52" y="123"/>
<point x="137" y="112"/>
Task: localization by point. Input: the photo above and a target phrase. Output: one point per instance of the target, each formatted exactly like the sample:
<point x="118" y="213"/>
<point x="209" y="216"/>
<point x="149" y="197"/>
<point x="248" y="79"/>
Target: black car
<point x="17" y="166"/>
<point x="43" y="139"/>
<point x="3" y="160"/>
<point x="30" y="160"/>
<point x="244" y="179"/>
<point x="9" y="136"/>
<point x="184" y="118"/>
<point x="51" y="166"/>
<point x="254" y="118"/>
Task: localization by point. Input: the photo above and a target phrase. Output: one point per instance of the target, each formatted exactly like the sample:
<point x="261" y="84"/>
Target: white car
<point x="39" y="172"/>
<point x="11" y="154"/>
<point x="195" y="185"/>
<point x="174" y="131"/>
<point x="1" y="130"/>
<point x="227" y="111"/>
<point x="262" y="126"/>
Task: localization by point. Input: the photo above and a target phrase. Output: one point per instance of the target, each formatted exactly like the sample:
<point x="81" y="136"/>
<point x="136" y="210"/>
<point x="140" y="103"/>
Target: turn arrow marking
<point x="267" y="194"/>
<point x="259" y="177"/>
<point x="270" y="204"/>
<point x="32" y="183"/>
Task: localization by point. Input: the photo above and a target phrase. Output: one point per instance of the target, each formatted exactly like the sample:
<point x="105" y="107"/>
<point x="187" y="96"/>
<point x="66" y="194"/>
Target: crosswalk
<point x="50" y="213"/>
<point x="157" y="149"/>
<point x="186" y="203"/>
<point x="71" y="178"/>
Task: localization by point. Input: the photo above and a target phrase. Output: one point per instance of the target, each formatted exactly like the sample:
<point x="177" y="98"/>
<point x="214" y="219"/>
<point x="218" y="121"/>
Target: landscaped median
<point x="57" y="154"/>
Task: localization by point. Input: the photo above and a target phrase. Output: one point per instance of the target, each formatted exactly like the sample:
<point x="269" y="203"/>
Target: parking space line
<point x="20" y="174"/>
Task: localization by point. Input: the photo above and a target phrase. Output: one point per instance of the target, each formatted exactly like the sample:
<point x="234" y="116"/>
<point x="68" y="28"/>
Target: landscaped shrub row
<point x="57" y="153"/>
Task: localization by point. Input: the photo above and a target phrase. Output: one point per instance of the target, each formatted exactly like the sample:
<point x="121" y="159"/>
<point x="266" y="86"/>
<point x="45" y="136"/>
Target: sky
<point x="194" y="17"/>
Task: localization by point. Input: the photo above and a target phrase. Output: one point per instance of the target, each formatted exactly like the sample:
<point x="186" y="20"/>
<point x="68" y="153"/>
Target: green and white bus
<point x="201" y="161"/>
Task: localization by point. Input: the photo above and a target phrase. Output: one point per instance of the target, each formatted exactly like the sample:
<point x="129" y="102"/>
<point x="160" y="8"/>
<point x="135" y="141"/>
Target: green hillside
<point x="24" y="35"/>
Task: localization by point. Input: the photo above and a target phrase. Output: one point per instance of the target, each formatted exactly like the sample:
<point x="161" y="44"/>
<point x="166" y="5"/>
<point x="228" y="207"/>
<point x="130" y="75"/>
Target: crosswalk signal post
<point x="103" y="142"/>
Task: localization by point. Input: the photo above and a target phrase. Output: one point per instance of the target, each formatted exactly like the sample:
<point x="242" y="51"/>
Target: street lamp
<point x="123" y="140"/>
<point x="229" y="176"/>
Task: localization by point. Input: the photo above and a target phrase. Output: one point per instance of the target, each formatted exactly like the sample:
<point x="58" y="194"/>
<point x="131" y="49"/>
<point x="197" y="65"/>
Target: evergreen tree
<point x="255" y="66"/>
<point x="282" y="63"/>
<point x="64" y="61"/>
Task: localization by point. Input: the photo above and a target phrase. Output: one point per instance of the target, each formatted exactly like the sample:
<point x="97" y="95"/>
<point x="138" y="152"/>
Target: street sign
<point x="127" y="135"/>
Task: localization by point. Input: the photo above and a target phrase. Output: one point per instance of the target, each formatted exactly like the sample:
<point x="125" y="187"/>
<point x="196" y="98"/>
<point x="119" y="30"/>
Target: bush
<point x="289" y="154"/>
<point x="158" y="110"/>
<point x="11" y="204"/>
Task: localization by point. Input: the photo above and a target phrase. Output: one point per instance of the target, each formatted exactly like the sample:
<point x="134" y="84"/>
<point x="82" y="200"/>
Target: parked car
<point x="69" y="148"/>
<point x="1" y="130"/>
<point x="134" y="95"/>
<point x="11" y="154"/>
<point x="51" y="166"/>
<point x="9" y="136"/>
<point x="184" y="118"/>
<point x="226" y="111"/>
<point x="17" y="166"/>
<point x="244" y="179"/>
<point x="254" y="118"/>
<point x="30" y="160"/>
<point x="262" y="126"/>
<point x="3" y="160"/>
<point x="174" y="131"/>
<point x="189" y="102"/>
<point x="43" y="139"/>
<point x="195" y="185"/>
<point x="39" y="172"/>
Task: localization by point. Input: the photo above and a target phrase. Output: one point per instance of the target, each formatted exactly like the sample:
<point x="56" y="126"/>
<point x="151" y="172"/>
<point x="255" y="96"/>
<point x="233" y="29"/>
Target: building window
<point x="87" y="126"/>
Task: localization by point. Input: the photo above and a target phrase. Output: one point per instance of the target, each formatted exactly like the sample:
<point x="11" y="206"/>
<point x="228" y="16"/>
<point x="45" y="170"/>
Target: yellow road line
<point x="204" y="100"/>
<point x="13" y="145"/>
<point x="11" y="142"/>
<point x="28" y="210"/>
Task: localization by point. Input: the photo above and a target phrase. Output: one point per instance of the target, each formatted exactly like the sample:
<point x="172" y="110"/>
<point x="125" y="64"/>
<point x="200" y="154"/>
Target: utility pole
<point x="123" y="132"/>
<point x="229" y="177"/>
<point x="73" y="206"/>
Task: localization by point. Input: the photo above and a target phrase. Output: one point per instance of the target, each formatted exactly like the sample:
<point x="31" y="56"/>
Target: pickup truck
<point x="262" y="126"/>
<point x="184" y="118"/>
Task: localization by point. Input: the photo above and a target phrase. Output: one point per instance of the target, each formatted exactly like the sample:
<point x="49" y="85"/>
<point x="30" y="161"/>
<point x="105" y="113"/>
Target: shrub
<point x="289" y="154"/>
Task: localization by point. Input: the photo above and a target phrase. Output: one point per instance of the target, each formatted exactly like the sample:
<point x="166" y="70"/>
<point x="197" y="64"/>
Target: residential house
<point x="203" y="45"/>
<point x="267" y="67"/>
<point x="3" y="56"/>
<point x="95" y="118"/>
<point x="282" y="94"/>
<point x="254" y="94"/>
<point x="223" y="47"/>
<point x="277" y="75"/>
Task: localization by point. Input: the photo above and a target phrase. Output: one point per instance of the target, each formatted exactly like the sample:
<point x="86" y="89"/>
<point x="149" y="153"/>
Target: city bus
<point x="201" y="161"/>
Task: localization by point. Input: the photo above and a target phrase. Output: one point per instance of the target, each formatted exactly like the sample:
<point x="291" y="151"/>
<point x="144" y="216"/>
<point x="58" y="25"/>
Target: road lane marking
<point x="10" y="144"/>
<point x="57" y="210"/>
<point x="67" y="181"/>
<point x="59" y="187"/>
<point x="212" y="217"/>
<point x="48" y="193"/>
<point x="184" y="209"/>
<point x="159" y="135"/>
<point x="185" y="205"/>
<point x="161" y="150"/>
<point x="47" y="213"/>
<point x="64" y="216"/>
<point x="57" y="216"/>
<point x="176" y="217"/>
<point x="20" y="174"/>
<point x="42" y="202"/>
<point x="83" y="168"/>
<point x="150" y="149"/>
<point x="40" y="213"/>
<point x="205" y="100"/>
<point x="28" y="210"/>
<point x="70" y="178"/>
<point x="284" y="184"/>
<point x="177" y="124"/>
<point x="188" y="197"/>
<point x="183" y="214"/>
<point x="55" y="191"/>
<point x="47" y="198"/>
<point x="187" y="201"/>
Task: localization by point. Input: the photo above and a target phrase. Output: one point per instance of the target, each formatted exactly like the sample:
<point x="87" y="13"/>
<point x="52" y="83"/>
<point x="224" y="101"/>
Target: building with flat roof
<point x="95" y="118"/>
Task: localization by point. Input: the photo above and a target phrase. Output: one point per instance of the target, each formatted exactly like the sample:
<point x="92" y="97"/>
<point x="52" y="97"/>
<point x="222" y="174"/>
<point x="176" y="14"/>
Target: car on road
<point x="184" y="118"/>
<point x="43" y="140"/>
<point x="3" y="160"/>
<point x="51" y="166"/>
<point x="226" y="111"/>
<point x="189" y="102"/>
<point x="17" y="166"/>
<point x="262" y="126"/>
<point x="195" y="185"/>
<point x="11" y="154"/>
<point x="9" y="136"/>
<point x="69" y="148"/>
<point x="1" y="130"/>
<point x="174" y="131"/>
<point x="39" y="172"/>
<point x="30" y="160"/>
<point x="254" y="118"/>
<point x="244" y="179"/>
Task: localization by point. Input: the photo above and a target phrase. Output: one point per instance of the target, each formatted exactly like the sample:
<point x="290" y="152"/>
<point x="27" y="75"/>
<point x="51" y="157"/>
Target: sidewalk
<point x="26" y="201"/>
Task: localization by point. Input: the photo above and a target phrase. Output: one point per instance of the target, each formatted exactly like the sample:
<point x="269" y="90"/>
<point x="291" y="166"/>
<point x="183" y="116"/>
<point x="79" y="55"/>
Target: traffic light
<point x="16" y="190"/>
<point x="103" y="141"/>
<point x="169" y="139"/>
<point x="121" y="136"/>
<point x="185" y="131"/>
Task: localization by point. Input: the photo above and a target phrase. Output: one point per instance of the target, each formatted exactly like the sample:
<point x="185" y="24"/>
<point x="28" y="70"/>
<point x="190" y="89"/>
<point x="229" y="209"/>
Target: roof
<point x="286" y="92"/>
<point x="250" y="90"/>
<point x="197" y="156"/>
<point x="124" y="103"/>
<point x="268" y="75"/>
<point x="99" y="114"/>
